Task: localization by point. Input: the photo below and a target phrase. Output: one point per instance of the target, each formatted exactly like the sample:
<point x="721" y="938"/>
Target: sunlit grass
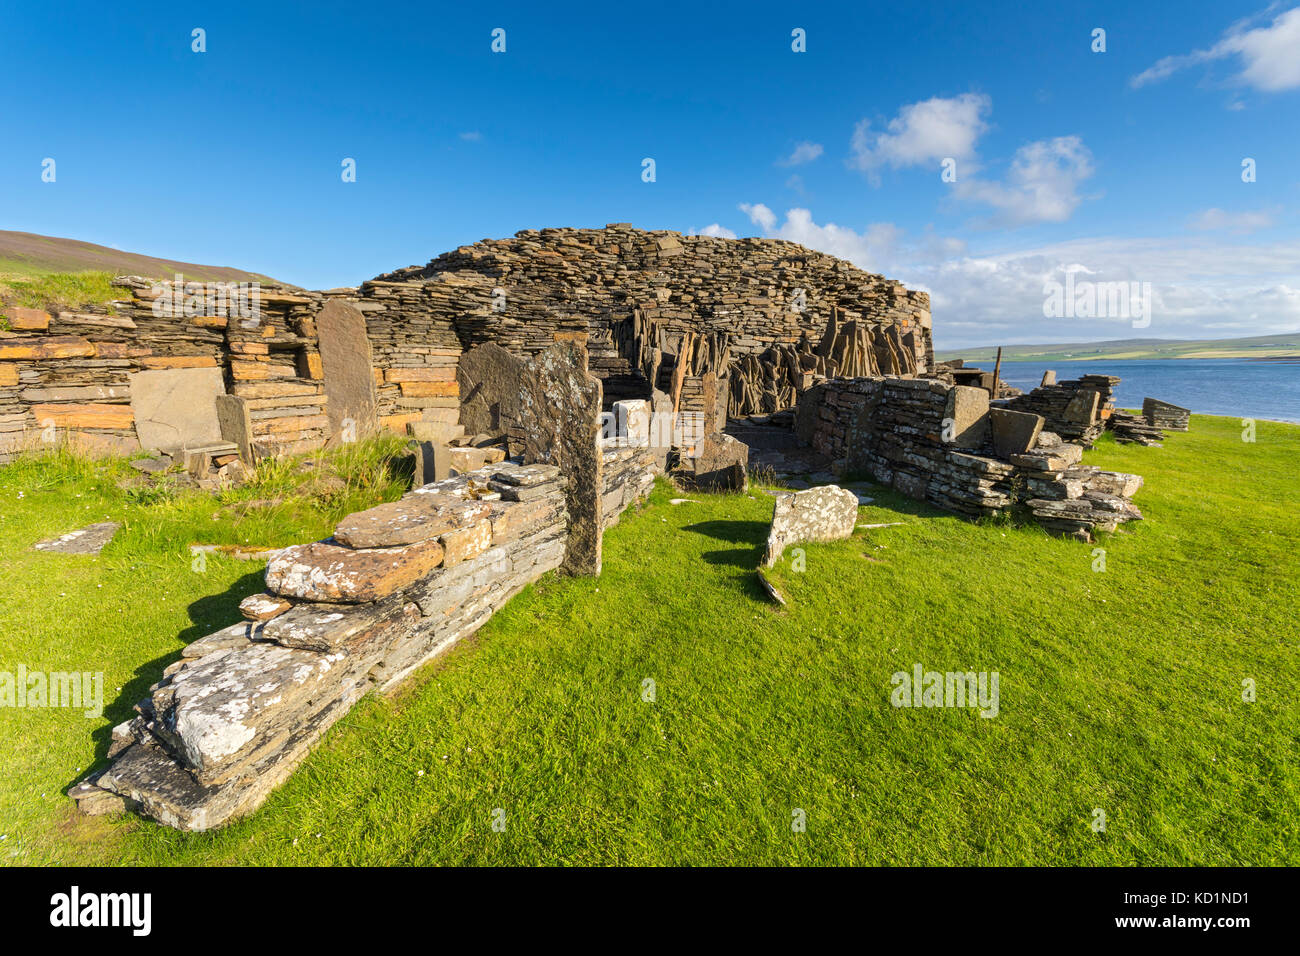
<point x="1120" y="690"/>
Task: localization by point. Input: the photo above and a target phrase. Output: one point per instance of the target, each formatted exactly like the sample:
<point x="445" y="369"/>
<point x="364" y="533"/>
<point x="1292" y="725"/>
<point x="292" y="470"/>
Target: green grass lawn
<point x="1120" y="690"/>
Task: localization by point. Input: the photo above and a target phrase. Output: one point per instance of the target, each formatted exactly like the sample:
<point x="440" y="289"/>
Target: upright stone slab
<point x="1014" y="433"/>
<point x="236" y="424"/>
<point x="1082" y="409"/>
<point x="966" y="417"/>
<point x="721" y="463"/>
<point x="432" y="462"/>
<point x="349" y="373"/>
<point x="632" y="420"/>
<point x="176" y="408"/>
<point x="489" y="378"/>
<point x="559" y="417"/>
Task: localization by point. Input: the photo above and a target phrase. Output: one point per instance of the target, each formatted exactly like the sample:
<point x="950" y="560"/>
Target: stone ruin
<point x="392" y="588"/>
<point x="533" y="377"/>
<point x="718" y="326"/>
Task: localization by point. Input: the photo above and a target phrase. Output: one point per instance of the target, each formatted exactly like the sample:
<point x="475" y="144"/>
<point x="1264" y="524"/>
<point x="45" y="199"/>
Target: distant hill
<point x="26" y="253"/>
<point x="1286" y="344"/>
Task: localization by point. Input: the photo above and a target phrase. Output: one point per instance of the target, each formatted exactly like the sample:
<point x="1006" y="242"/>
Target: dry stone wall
<point x="394" y="587"/>
<point x="1077" y="410"/>
<point x="933" y="442"/>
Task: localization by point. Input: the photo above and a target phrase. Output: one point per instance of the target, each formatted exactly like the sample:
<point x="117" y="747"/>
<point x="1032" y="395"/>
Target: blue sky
<point x="1123" y="165"/>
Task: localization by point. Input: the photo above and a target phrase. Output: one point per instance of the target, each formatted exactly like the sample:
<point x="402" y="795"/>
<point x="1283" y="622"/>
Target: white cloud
<point x="1238" y="222"/>
<point x="1269" y="56"/>
<point x="717" y="231"/>
<point x="922" y="133"/>
<point x="1042" y="184"/>
<point x="1201" y="287"/>
<point x="473" y="136"/>
<point x="804" y="152"/>
<point x="869" y="249"/>
<point x="759" y="215"/>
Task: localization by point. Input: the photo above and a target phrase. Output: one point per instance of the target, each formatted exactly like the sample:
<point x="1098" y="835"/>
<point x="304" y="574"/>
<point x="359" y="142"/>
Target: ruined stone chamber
<point x="952" y="447"/>
<point x="533" y="376"/>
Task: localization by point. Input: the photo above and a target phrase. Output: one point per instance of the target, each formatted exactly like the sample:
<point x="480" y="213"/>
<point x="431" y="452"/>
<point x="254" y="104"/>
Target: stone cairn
<point x="1134" y="429"/>
<point x="946" y="445"/>
<point x="722" y="326"/>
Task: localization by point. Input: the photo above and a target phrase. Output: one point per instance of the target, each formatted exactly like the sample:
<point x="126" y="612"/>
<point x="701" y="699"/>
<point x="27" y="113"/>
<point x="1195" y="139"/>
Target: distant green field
<point x="1122" y="691"/>
<point x="1262" y="346"/>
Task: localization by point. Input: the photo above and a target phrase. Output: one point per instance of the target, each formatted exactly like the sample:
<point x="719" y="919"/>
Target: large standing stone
<point x="1014" y="433"/>
<point x="346" y="365"/>
<point x="826" y="513"/>
<point x="176" y="408"/>
<point x="489" y="379"/>
<point x="559" y="414"/>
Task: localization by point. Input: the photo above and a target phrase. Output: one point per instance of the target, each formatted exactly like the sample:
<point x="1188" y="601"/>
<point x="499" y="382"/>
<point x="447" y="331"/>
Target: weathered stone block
<point x="1014" y="433"/>
<point x="827" y="513"/>
<point x="176" y="408"/>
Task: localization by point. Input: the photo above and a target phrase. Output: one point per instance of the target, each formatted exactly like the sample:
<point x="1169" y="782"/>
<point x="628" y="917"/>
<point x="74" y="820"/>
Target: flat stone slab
<point x="329" y="572"/>
<point x="413" y="519"/>
<point x="826" y="513"/>
<point x="1014" y="433"/>
<point x="88" y="540"/>
<point x="263" y="607"/>
<point x="324" y="629"/>
<point x="176" y="407"/>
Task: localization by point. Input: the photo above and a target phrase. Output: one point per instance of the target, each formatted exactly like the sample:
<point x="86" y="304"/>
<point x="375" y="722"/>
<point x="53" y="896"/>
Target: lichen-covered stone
<point x="559" y="410"/>
<point x="826" y="513"/>
<point x="412" y="519"/>
<point x="327" y="571"/>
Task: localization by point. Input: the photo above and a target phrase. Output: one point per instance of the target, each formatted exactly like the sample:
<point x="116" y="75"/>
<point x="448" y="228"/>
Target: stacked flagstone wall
<point x="720" y="325"/>
<point x="946" y="445"/>
<point x="394" y="587"/>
